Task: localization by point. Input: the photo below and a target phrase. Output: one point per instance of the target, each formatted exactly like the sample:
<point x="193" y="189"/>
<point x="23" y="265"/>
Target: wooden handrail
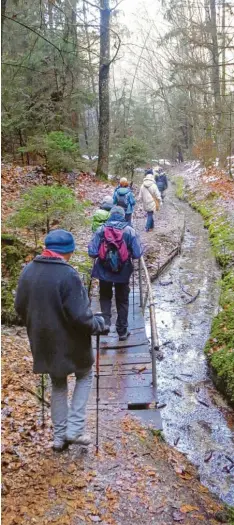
<point x="153" y="325"/>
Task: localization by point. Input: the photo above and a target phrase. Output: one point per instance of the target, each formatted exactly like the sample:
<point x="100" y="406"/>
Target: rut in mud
<point x="195" y="417"/>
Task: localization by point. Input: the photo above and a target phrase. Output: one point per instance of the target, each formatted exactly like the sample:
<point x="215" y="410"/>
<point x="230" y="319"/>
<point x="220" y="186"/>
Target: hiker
<point x="53" y="304"/>
<point x="161" y="181"/>
<point x="124" y="197"/>
<point x="102" y="214"/>
<point x="114" y="245"/>
<point x="150" y="197"/>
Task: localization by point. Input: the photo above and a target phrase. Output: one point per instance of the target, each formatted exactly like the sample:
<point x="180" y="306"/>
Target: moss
<point x="180" y="190"/>
<point x="220" y="346"/>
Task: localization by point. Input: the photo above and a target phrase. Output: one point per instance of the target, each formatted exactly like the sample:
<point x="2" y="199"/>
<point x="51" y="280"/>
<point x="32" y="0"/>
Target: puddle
<point x="196" y="418"/>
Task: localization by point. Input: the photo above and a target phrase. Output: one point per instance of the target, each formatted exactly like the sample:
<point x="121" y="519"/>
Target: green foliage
<point x="56" y="148"/>
<point x="42" y="205"/>
<point x="158" y="434"/>
<point x="179" y="182"/>
<point x="130" y="155"/>
<point x="220" y="346"/>
<point x="221" y="231"/>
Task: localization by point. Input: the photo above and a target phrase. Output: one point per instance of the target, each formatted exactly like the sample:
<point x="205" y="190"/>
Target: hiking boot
<point x="124" y="336"/>
<point x="60" y="445"/>
<point x="106" y="330"/>
<point x="81" y="439"/>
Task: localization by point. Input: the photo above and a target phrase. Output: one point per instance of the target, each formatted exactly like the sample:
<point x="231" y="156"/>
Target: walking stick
<point x="97" y="394"/>
<point x="90" y="282"/>
<point x="42" y="401"/>
<point x="133" y="293"/>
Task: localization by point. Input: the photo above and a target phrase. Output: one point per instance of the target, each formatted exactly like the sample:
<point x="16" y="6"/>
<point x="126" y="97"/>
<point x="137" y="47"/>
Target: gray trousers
<point x="69" y="423"/>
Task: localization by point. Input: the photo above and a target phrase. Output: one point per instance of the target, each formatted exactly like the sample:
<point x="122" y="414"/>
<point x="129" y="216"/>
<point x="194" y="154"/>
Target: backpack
<point x="122" y="200"/>
<point x="113" y="252"/>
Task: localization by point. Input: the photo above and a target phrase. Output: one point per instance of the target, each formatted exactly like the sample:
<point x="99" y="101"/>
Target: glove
<point x="100" y="325"/>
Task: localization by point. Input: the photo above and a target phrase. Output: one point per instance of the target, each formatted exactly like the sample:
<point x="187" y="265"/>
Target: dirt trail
<point x="137" y="478"/>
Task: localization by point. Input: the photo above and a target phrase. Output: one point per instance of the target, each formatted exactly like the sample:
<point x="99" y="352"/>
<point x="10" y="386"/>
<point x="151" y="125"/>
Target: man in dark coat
<point x="119" y="279"/>
<point x="54" y="306"/>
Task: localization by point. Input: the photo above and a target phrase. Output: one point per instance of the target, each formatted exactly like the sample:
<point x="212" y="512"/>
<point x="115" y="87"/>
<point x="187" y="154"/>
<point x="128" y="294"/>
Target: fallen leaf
<point x="188" y="508"/>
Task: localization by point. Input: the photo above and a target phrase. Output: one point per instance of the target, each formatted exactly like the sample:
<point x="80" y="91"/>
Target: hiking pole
<point x="90" y="282"/>
<point x="42" y="401"/>
<point x="133" y="293"/>
<point x="97" y="388"/>
<point x="97" y="394"/>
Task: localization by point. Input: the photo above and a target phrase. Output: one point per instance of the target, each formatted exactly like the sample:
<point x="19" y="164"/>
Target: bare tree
<point x="104" y="100"/>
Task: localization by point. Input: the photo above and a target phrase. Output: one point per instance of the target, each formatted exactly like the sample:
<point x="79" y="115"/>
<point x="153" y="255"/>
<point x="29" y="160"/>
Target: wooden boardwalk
<point x="125" y="368"/>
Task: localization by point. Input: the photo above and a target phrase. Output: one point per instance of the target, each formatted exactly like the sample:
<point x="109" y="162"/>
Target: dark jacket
<point x="55" y="308"/>
<point x="161" y="181"/>
<point x="133" y="244"/>
<point x="129" y="197"/>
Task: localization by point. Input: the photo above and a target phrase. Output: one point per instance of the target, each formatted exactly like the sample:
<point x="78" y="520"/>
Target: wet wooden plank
<point x="120" y="382"/>
<point x="151" y="417"/>
<point x="125" y="358"/>
<point x="146" y="395"/>
<point x="112" y="341"/>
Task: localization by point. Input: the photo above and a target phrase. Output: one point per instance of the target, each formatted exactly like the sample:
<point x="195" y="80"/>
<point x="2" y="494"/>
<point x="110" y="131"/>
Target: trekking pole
<point x="133" y="293"/>
<point x="90" y="282"/>
<point x="42" y="401"/>
<point x="97" y="389"/>
<point x="97" y="393"/>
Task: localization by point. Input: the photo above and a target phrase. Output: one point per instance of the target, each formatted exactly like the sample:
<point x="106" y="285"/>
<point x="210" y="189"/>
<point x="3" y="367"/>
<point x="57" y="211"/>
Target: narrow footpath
<point x="137" y="477"/>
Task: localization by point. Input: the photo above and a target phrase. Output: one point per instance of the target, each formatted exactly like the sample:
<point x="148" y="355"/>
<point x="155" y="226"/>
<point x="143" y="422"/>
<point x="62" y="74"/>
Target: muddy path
<point x="196" y="419"/>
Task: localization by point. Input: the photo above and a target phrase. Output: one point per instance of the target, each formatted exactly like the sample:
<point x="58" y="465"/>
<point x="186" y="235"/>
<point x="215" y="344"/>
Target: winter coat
<point x="149" y="194"/>
<point x="54" y="306"/>
<point x="130" y="198"/>
<point x="133" y="244"/>
<point x="99" y="218"/>
<point x="161" y="181"/>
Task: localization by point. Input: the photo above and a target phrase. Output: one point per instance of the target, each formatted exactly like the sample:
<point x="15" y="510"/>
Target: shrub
<point x="58" y="150"/>
<point x="130" y="154"/>
<point x="42" y="205"/>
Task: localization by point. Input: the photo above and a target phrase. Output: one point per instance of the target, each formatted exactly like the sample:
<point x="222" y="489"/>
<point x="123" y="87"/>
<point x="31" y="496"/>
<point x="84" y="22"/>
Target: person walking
<point x="114" y="245"/>
<point x="161" y="181"/>
<point x="150" y="197"/>
<point x="124" y="197"/>
<point x="102" y="214"/>
<point x="54" y="306"/>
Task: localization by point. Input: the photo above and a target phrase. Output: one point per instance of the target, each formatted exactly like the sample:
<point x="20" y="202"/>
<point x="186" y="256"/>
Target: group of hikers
<point x="54" y="305"/>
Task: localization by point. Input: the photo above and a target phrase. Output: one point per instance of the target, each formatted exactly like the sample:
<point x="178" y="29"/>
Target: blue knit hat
<point x="117" y="210"/>
<point x="149" y="172"/>
<point x="60" y="241"/>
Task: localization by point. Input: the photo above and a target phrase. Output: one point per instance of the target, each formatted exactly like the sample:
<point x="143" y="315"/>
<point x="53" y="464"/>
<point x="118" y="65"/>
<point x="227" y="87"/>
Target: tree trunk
<point x="3" y="10"/>
<point x="215" y="60"/>
<point x="104" y="73"/>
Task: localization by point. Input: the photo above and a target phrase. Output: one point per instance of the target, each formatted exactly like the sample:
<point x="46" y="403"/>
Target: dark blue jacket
<point x="130" y="198"/>
<point x="161" y="181"/>
<point x="54" y="306"/>
<point x="133" y="244"/>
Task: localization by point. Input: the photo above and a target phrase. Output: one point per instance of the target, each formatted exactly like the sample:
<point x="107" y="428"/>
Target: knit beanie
<point x="149" y="172"/>
<point x="107" y="203"/>
<point x="117" y="210"/>
<point x="123" y="182"/>
<point x="60" y="241"/>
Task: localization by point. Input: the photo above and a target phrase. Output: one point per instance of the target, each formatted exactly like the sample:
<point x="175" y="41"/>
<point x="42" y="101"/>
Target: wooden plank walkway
<point x="125" y="368"/>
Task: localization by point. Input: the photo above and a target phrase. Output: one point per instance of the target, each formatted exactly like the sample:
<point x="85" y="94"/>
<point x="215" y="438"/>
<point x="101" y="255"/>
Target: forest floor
<point x="136" y="478"/>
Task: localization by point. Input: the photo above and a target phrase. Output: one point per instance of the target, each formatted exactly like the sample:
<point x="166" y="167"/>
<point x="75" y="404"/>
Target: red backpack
<point x="113" y="252"/>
